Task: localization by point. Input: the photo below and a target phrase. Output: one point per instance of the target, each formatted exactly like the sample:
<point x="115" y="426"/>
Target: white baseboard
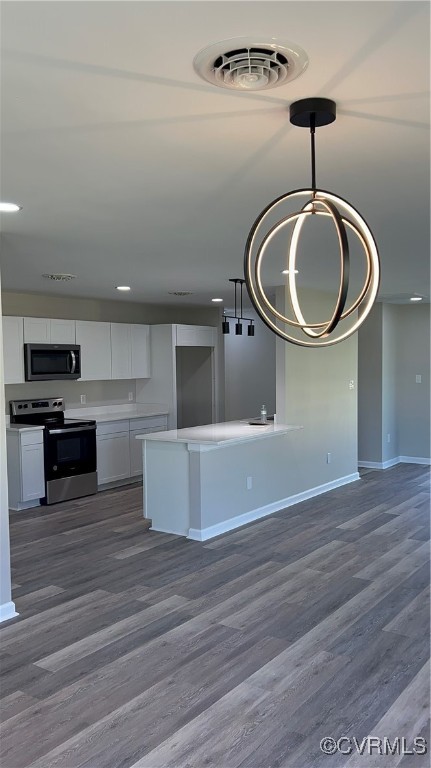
<point x="414" y="460"/>
<point x="7" y="611"/>
<point x="165" y="530"/>
<point x="379" y="464"/>
<point x="393" y="462"/>
<point x="231" y="523"/>
<point x="22" y="505"/>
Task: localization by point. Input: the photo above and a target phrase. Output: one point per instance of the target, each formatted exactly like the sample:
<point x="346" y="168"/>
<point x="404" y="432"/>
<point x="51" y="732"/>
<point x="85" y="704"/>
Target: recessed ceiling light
<point x="216" y="299"/>
<point x="9" y="207"/>
<point x="123" y="287"/>
<point x="286" y="272"/>
<point x="415" y="298"/>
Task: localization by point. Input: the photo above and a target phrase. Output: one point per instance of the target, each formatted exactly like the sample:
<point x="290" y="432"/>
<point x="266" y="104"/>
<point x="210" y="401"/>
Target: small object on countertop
<point x="263" y="414"/>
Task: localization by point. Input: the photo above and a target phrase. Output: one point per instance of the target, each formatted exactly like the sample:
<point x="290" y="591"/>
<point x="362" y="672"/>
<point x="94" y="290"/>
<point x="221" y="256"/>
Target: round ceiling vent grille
<point x="243" y="64"/>
<point x="59" y="276"/>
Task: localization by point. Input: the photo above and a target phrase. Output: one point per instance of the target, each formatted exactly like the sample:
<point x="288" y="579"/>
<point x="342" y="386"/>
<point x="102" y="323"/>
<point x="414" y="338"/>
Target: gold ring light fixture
<point x="347" y="316"/>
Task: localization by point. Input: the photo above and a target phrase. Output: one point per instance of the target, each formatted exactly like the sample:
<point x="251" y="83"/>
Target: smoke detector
<point x="244" y="64"/>
<point x="59" y="276"/>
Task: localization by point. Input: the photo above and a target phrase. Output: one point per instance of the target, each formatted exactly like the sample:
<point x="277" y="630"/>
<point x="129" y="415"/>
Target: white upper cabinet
<point x="37" y="330"/>
<point x="196" y="336"/>
<point x="141" y="358"/>
<point x="121" y="345"/>
<point x="95" y="341"/>
<point x="13" y="350"/>
<point x="63" y="331"/>
<point x="108" y="350"/>
<point x="42" y="330"/>
<point x="130" y="351"/>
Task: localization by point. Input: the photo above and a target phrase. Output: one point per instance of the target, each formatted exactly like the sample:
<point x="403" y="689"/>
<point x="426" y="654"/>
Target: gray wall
<point x="370" y="356"/>
<point x="313" y="391"/>
<point x="394" y="347"/>
<point x="5" y="578"/>
<point x="194" y="386"/>
<point x="390" y="446"/>
<point x="249" y="370"/>
<point x="97" y="392"/>
<point x="47" y="305"/>
<point x="413" y="400"/>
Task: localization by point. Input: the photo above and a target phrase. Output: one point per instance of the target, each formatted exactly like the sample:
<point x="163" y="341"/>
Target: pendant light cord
<point x="313" y="151"/>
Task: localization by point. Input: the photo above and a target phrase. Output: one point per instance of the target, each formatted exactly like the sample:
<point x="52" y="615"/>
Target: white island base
<point x="202" y="481"/>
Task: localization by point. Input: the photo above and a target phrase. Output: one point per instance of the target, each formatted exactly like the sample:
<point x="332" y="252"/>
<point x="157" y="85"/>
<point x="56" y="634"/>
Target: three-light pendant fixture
<point x="239" y="318"/>
<point x="344" y="320"/>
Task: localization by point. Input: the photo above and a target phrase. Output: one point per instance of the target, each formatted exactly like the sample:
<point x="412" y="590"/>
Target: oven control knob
<point x="55" y="467"/>
<point x="20" y="406"/>
<point x="26" y="405"/>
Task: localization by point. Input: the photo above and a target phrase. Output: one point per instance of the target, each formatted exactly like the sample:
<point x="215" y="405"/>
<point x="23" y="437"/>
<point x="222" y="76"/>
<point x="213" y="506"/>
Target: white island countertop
<point x="224" y="433"/>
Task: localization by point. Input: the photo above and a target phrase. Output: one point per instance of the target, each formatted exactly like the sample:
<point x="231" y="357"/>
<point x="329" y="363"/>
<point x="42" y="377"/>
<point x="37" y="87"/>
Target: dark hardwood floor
<point x="137" y="648"/>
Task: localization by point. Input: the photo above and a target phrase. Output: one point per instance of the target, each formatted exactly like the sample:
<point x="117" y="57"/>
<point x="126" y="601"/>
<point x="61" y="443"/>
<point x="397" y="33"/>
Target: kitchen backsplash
<point x="97" y="393"/>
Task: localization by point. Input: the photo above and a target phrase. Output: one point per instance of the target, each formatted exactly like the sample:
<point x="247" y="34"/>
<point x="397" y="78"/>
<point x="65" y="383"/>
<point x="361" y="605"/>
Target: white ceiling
<point x="132" y="170"/>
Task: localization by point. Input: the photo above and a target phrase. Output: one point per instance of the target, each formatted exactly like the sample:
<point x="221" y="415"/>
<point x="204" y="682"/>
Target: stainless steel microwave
<point x="44" y="362"/>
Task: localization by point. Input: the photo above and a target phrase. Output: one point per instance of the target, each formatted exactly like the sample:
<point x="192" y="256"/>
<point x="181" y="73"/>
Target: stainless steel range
<point x="69" y="448"/>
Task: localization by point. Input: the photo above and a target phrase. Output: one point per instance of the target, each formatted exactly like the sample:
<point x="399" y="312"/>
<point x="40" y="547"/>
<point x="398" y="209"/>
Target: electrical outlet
<point x="130" y="396"/>
<point x="388" y="437"/>
<point x="83" y="399"/>
<point x="418" y="378"/>
<point x="328" y="458"/>
<point x="249" y="483"/>
<point x="351" y="384"/>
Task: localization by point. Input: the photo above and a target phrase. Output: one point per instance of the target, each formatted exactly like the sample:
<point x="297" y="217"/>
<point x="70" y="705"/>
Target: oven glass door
<point x="69" y="452"/>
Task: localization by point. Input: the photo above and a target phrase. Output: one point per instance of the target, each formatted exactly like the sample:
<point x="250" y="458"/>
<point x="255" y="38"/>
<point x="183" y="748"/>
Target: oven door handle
<point x="73" y="358"/>
<point x="70" y="429"/>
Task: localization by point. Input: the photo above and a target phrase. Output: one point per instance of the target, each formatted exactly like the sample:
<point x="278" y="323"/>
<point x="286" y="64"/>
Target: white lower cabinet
<point x="25" y="468"/>
<point x="135" y="453"/>
<point x="119" y="454"/>
<point x="113" y="452"/>
<point x="136" y="448"/>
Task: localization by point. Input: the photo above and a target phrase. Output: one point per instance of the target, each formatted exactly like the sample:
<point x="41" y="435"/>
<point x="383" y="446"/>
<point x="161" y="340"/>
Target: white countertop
<point x="100" y="414"/>
<point x="23" y="427"/>
<point x="220" y="434"/>
<point x="117" y="412"/>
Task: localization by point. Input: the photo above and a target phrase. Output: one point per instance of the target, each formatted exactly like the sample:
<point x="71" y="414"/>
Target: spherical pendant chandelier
<point x="343" y="320"/>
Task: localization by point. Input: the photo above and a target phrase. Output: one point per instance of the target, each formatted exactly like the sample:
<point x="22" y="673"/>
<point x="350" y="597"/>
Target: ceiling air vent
<point x="59" y="276"/>
<point x="243" y="64"/>
<point x="180" y="293"/>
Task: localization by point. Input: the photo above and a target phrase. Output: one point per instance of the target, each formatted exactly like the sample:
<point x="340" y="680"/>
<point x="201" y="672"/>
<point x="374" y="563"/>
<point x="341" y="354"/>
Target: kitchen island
<point x="202" y="481"/>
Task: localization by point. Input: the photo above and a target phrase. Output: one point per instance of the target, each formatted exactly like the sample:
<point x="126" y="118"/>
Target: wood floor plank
<point x="406" y="718"/>
<point x="108" y="635"/>
<point x="412" y="617"/>
<point x="135" y="648"/>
